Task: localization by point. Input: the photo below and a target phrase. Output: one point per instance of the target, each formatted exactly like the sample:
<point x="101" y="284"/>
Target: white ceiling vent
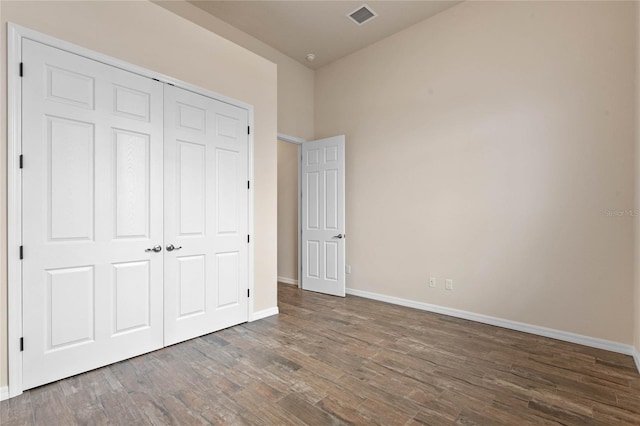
<point x="362" y="14"/>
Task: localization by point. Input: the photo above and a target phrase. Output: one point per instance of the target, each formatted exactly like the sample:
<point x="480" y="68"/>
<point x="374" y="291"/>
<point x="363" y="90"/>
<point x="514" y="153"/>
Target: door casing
<point x="16" y="34"/>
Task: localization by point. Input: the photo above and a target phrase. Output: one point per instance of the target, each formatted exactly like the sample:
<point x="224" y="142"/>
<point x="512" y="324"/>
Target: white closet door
<point x="92" y="204"/>
<point x="206" y="215"/>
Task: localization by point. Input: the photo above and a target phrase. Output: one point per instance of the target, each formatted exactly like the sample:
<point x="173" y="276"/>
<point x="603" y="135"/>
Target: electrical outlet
<point x="448" y="284"/>
<point x="348" y="269"/>
<point x="432" y="282"/>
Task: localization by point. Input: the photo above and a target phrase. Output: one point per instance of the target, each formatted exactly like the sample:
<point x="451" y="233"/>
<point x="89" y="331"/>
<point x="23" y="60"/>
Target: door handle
<point x="155" y="249"/>
<point x="171" y="247"/>
<point x="339" y="236"/>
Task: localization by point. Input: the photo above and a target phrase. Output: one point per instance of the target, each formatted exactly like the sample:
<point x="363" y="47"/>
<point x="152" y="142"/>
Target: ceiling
<point x="297" y="28"/>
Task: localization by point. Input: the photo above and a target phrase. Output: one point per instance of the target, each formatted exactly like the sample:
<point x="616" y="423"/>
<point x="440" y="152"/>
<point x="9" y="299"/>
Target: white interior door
<point x="206" y="215"/>
<point x="92" y="205"/>
<point x="323" y="232"/>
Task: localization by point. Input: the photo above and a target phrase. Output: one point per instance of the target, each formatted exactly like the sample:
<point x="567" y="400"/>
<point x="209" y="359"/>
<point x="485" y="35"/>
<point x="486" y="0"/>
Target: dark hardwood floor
<point x="328" y="360"/>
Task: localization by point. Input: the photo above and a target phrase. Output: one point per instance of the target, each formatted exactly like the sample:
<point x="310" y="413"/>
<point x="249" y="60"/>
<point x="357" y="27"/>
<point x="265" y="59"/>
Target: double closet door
<point x="135" y="214"/>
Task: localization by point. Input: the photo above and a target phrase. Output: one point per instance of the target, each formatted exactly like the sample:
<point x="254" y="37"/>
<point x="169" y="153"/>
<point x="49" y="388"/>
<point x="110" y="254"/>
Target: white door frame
<point x="297" y="141"/>
<point x="16" y="34"/>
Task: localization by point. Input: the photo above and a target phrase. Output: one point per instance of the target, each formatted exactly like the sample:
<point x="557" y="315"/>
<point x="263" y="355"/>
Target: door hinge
<point x="248" y="238"/>
<point x="248" y="293"/>
<point x="21" y="69"/>
<point x="248" y="130"/>
<point x="21" y="160"/>
<point x="21" y="344"/>
<point x="248" y="184"/>
<point x="21" y="252"/>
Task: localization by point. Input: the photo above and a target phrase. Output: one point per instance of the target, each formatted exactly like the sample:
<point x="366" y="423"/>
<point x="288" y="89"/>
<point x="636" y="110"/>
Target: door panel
<point x="132" y="184"/>
<point x="70" y="319"/>
<point x="70" y="157"/>
<point x="92" y="146"/>
<point x="64" y="85"/>
<point x="331" y="200"/>
<point x="131" y="295"/>
<point x="131" y="103"/>
<point x="227" y="177"/>
<point x="192" y="285"/>
<point x="206" y="172"/>
<point x="323" y="242"/>
<point x="331" y="251"/>
<point x="313" y="199"/>
<point x="228" y="266"/>
<point x="191" y="188"/>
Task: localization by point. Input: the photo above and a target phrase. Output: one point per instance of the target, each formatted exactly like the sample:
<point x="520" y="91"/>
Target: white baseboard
<point x="264" y="313"/>
<point x="4" y="393"/>
<point x="504" y="323"/>
<point x="636" y="358"/>
<point x="285" y="280"/>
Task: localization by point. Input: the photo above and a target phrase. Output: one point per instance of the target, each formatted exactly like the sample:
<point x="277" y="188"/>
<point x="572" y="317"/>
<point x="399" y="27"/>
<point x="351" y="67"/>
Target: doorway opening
<point x="289" y="209"/>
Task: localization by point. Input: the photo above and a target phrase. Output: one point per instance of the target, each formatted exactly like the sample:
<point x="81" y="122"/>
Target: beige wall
<point x="295" y="81"/>
<point x="485" y="145"/>
<point x="287" y="210"/>
<point x="147" y="35"/>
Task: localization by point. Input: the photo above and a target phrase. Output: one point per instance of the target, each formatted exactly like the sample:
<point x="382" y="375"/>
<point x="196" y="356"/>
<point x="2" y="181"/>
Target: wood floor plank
<point x="328" y="360"/>
<point x="49" y="403"/>
<point x="17" y="411"/>
<point x="264" y="408"/>
<point x="344" y="410"/>
<point x="438" y="412"/>
<point x="561" y="413"/>
<point x="122" y="409"/>
<point x="384" y="412"/>
<point x="306" y="412"/>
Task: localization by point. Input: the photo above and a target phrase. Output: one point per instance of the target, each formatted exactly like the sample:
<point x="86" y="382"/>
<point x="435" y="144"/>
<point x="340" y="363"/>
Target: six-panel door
<point x="323" y="215"/>
<point x="92" y="204"/>
<point x="206" y="173"/>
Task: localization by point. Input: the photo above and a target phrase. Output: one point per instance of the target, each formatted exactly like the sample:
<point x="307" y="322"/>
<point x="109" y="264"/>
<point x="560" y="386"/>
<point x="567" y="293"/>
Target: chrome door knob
<point x="155" y="249"/>
<point x="171" y="247"/>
